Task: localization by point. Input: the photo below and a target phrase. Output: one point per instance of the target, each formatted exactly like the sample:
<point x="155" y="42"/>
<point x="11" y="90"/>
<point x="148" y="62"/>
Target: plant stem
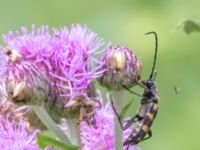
<point x="50" y="124"/>
<point x="74" y="130"/>
<point x="118" y="104"/>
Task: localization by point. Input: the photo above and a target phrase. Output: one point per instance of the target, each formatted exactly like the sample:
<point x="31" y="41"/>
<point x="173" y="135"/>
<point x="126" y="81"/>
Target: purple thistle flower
<point x="23" y="80"/>
<point x="34" y="55"/>
<point x="67" y="57"/>
<point x="101" y="135"/>
<point x="13" y="135"/>
<point x="75" y="55"/>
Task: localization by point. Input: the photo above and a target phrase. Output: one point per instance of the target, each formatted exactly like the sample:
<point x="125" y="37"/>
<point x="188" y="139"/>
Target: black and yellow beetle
<point x="148" y="109"/>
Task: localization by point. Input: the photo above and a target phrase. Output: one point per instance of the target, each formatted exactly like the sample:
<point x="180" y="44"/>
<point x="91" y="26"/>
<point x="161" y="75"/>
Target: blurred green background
<point x="124" y="22"/>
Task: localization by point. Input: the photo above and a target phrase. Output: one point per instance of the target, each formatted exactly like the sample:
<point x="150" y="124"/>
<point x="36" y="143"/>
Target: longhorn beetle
<point x="148" y="109"/>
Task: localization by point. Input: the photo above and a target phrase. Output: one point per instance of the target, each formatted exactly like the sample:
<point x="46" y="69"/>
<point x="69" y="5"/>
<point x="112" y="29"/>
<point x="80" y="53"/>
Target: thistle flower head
<point x="13" y="135"/>
<point x="22" y="79"/>
<point x="67" y="58"/>
<point x="27" y="63"/>
<point x="123" y="68"/>
<point x="76" y="58"/>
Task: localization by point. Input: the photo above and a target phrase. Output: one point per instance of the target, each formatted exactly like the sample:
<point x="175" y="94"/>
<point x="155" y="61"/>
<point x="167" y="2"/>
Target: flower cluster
<point x="56" y="69"/>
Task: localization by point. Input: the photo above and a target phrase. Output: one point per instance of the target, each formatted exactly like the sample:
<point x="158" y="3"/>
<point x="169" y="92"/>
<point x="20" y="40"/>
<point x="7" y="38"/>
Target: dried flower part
<point x="123" y="68"/>
<point x="84" y="109"/>
<point x="8" y="109"/>
<point x="11" y="111"/>
<point x="13" y="55"/>
<point x="13" y="135"/>
<point x="84" y="106"/>
<point x="20" y="91"/>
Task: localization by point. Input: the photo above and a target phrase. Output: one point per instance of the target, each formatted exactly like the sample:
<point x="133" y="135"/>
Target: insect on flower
<point x="148" y="109"/>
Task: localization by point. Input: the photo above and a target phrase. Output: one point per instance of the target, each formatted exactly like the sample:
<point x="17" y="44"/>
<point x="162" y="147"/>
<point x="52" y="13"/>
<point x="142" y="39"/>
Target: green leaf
<point x="124" y="110"/>
<point x="50" y="124"/>
<point x="48" y="133"/>
<point x="189" y="26"/>
<point x="44" y="141"/>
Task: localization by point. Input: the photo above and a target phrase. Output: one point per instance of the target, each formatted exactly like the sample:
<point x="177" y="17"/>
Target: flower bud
<point x="123" y="68"/>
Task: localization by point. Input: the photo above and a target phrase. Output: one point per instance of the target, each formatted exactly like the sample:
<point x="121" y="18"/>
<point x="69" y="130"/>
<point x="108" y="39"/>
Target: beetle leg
<point x="131" y="91"/>
<point x="129" y="122"/>
<point x="149" y="135"/>
<point x="132" y="120"/>
<point x="127" y="147"/>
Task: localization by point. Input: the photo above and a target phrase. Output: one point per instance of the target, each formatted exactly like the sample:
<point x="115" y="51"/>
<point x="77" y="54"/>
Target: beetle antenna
<point x="155" y="54"/>
<point x="131" y="91"/>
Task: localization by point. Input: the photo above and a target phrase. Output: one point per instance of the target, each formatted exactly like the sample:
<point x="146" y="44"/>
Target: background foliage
<point x="125" y="22"/>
